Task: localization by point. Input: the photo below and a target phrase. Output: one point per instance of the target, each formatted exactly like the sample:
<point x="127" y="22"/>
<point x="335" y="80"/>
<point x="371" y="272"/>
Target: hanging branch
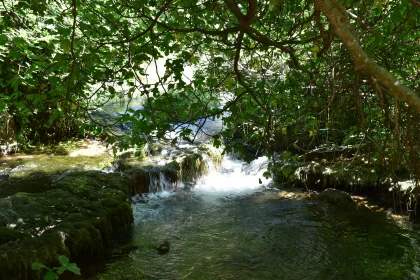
<point x="338" y="17"/>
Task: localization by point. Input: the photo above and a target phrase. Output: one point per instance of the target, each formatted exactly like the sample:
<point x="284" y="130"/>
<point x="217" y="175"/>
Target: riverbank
<point x="356" y="176"/>
<point x="77" y="202"/>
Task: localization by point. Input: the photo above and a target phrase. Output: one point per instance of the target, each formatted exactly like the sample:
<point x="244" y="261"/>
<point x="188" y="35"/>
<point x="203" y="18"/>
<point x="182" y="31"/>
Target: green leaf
<point x="230" y="83"/>
<point x="61" y="269"/>
<point x="130" y="92"/>
<point x="2" y="105"/>
<point x="218" y="60"/>
<point x="64" y="31"/>
<point x="73" y="268"/>
<point x="50" y="276"/>
<point x="287" y="171"/>
<point x="3" y="39"/>
<point x="38" y="266"/>
<point x="49" y="21"/>
<point x="286" y="155"/>
<point x="65" y="45"/>
<point x="63" y="260"/>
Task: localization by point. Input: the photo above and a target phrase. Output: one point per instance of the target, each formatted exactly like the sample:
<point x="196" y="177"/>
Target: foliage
<point x="55" y="272"/>
<point x="282" y="75"/>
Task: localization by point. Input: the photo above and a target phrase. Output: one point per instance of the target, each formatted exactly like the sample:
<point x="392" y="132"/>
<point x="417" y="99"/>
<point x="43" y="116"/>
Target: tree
<point x="336" y="71"/>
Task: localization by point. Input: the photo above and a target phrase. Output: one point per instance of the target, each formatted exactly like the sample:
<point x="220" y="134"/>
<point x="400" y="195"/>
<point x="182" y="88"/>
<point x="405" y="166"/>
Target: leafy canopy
<point x="334" y="71"/>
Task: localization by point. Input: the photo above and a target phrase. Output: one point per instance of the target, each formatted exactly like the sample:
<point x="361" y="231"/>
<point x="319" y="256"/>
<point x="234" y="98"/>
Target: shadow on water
<point x="254" y="235"/>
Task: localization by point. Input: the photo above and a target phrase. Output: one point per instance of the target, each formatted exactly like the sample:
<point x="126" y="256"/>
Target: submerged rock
<point x="163" y="248"/>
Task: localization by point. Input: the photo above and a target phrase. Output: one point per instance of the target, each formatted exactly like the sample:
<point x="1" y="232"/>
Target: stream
<point x="232" y="225"/>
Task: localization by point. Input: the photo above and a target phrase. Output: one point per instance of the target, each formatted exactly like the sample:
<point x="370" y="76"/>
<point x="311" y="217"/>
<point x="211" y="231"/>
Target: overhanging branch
<point x="337" y="15"/>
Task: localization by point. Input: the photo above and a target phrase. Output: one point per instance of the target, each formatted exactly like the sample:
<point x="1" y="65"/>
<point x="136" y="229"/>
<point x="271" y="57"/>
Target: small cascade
<point x="162" y="181"/>
<point x="210" y="165"/>
<point x="163" y="175"/>
<point x="235" y="176"/>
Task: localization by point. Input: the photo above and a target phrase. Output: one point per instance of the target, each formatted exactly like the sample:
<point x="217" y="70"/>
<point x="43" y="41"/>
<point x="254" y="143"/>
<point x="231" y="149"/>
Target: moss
<point x="172" y="175"/>
<point x="353" y="177"/>
<point x="16" y="264"/>
<point x="84" y="241"/>
<point x="56" y="165"/>
<point x="214" y="153"/>
<point x="86" y="208"/>
<point x="34" y="183"/>
<point x="140" y="181"/>
<point x="105" y="227"/>
<point x="7" y="216"/>
<point x="192" y="167"/>
<point x="186" y="166"/>
<point x="142" y="176"/>
<point x="95" y="180"/>
<point x="7" y="235"/>
<point x="174" y="165"/>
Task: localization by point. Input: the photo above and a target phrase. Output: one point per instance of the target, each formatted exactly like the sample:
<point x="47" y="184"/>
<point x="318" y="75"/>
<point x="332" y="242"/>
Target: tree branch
<point x="149" y="28"/>
<point x="338" y="17"/>
<point x="415" y="3"/>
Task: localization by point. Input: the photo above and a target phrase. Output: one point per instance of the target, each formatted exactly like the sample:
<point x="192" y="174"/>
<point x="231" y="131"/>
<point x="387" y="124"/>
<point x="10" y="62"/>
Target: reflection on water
<point x="251" y="234"/>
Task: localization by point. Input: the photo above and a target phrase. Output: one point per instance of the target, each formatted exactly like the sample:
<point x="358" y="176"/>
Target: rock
<point x="335" y="196"/>
<point x="285" y="195"/>
<point x="35" y="182"/>
<point x="78" y="217"/>
<point x="163" y="248"/>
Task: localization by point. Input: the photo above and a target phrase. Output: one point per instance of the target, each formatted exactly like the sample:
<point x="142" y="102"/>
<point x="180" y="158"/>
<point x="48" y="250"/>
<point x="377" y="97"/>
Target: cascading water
<point x="232" y="225"/>
<point x="234" y="177"/>
<point x="159" y="182"/>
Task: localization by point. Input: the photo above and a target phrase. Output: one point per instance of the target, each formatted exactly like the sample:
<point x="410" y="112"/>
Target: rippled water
<point x="232" y="227"/>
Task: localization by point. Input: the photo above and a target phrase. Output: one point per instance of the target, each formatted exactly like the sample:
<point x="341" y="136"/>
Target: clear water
<point x="230" y="226"/>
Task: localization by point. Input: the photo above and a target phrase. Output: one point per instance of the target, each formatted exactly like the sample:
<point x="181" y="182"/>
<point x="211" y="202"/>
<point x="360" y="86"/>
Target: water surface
<point x="232" y="227"/>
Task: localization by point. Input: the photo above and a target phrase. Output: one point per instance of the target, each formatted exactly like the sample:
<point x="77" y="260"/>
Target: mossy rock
<point x="16" y="257"/>
<point x="7" y="235"/>
<point x="141" y="177"/>
<point x="33" y="183"/>
<point x="214" y="153"/>
<point x="140" y="181"/>
<point x="192" y="167"/>
<point x="78" y="217"/>
<point x="337" y="197"/>
<point x="95" y="180"/>
<point x="320" y="175"/>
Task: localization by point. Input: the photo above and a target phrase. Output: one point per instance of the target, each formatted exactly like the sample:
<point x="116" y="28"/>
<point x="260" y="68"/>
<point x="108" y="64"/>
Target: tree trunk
<point x="337" y="15"/>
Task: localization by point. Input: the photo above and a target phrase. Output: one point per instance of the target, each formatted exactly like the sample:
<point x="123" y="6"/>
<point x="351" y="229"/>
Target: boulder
<point x="337" y="197"/>
<point x="77" y="216"/>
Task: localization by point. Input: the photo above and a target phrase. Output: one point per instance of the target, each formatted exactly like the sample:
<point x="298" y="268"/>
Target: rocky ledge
<point x="354" y="177"/>
<point x="77" y="216"/>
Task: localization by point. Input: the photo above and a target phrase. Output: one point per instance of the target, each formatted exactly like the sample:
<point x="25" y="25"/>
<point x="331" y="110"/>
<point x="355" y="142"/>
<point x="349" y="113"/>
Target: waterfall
<point x="235" y="176"/>
<point x="159" y="182"/>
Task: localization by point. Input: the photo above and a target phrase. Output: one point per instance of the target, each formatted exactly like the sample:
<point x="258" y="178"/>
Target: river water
<point x="234" y="226"/>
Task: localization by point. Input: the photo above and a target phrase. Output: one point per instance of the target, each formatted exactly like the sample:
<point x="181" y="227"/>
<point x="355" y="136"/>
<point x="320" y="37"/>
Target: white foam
<point x="235" y="176"/>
